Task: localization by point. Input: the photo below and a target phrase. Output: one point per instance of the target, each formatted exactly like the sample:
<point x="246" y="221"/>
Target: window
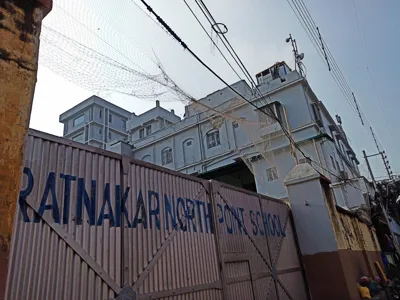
<point x="269" y="112"/>
<point x="166" y="156"/>
<point x="110" y="118"/>
<point x="123" y="123"/>
<point x="333" y="162"/>
<point x="147" y="158"/>
<point x="79" y="120"/>
<point x="101" y="113"/>
<point x="141" y="133"/>
<point x="235" y="125"/>
<point x="148" y="130"/>
<point x="109" y="136"/>
<point x="213" y="139"/>
<point x="316" y="112"/>
<point x="189" y="143"/>
<point x="100" y="131"/>
<point x="272" y="174"/>
<point x="79" y="138"/>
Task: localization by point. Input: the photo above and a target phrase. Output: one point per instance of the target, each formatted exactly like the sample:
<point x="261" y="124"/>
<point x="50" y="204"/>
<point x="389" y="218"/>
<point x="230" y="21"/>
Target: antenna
<point x="297" y="57"/>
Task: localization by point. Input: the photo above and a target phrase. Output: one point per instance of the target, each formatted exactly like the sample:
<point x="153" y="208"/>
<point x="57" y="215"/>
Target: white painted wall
<point x="188" y="138"/>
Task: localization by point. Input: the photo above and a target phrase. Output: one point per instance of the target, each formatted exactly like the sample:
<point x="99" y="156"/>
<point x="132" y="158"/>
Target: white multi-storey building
<point x="95" y="122"/>
<point x="223" y="141"/>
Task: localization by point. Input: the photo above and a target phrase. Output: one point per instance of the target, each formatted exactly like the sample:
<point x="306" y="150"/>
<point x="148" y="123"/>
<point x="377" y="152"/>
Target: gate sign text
<point x="179" y="213"/>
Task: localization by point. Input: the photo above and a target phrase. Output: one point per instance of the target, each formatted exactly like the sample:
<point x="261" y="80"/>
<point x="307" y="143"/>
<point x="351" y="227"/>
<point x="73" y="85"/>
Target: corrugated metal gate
<point x="90" y="222"/>
<point x="257" y="246"/>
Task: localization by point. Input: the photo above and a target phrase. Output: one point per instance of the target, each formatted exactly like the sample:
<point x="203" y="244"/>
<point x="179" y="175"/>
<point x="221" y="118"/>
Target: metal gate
<point x="257" y="246"/>
<point x="90" y="223"/>
<point x="63" y="245"/>
<point x="169" y="246"/>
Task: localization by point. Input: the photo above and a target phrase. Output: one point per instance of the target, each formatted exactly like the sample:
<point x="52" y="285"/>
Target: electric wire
<point x="224" y="40"/>
<point x="209" y="36"/>
<point x="263" y="97"/>
<point x="185" y="46"/>
<point x="210" y="17"/>
<point x="336" y="72"/>
<point x="367" y="65"/>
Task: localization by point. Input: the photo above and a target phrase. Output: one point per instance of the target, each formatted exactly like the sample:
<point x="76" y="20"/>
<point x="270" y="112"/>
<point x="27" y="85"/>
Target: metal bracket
<point x="127" y="293"/>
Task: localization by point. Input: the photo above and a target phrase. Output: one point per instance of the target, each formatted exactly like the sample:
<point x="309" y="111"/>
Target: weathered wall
<point x="340" y="244"/>
<point x="20" y="22"/>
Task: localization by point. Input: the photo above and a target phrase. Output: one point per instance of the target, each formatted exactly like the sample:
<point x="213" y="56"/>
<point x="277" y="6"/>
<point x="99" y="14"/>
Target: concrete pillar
<point x="309" y="195"/>
<point x="20" y="24"/>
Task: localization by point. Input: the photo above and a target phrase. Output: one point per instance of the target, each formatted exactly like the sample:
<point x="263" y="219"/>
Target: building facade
<point x="95" y="122"/>
<point x="223" y="137"/>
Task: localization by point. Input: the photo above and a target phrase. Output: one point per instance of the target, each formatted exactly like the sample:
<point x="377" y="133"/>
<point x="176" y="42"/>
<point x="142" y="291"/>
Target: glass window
<point x="123" y="123"/>
<point x="141" y="133"/>
<point x="269" y="113"/>
<point x="213" y="139"/>
<point x="148" y="130"/>
<point x="79" y="138"/>
<point x="110" y="118"/>
<point x="109" y="136"/>
<point x="189" y="143"/>
<point x="100" y="131"/>
<point x="101" y="113"/>
<point x="79" y="120"/>
<point x="333" y="162"/>
<point x="166" y="156"/>
<point x="272" y="174"/>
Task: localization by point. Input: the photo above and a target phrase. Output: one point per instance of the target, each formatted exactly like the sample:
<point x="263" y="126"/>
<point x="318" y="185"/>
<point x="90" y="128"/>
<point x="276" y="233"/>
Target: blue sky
<point x="257" y="30"/>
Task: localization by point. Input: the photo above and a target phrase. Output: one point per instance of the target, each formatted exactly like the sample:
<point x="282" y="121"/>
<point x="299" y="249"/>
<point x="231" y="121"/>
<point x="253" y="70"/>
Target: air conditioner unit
<point x="343" y="175"/>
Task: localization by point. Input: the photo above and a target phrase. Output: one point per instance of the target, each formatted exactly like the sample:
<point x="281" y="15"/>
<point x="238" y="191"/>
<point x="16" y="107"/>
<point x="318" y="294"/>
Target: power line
<point x="306" y="20"/>
<point x="212" y="22"/>
<point x="211" y="19"/>
<point x="184" y="45"/>
<point x="367" y="64"/>
<point x="209" y="36"/>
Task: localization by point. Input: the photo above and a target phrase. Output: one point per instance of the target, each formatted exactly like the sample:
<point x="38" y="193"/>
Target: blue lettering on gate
<point x="179" y="213"/>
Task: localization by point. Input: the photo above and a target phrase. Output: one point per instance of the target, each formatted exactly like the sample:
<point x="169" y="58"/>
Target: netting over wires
<point x="86" y="51"/>
<point x="81" y="47"/>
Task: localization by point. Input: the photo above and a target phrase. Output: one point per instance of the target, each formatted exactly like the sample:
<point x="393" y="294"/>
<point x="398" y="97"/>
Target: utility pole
<point x="20" y="24"/>
<point x="381" y="204"/>
<point x="369" y="169"/>
<point x="386" y="164"/>
<point x="384" y="157"/>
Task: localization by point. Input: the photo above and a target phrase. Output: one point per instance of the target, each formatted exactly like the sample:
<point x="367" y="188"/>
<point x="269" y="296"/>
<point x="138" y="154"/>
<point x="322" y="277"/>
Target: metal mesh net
<point x="80" y="45"/>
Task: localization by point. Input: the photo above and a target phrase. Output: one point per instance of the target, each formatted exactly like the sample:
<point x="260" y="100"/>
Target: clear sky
<point x="257" y="31"/>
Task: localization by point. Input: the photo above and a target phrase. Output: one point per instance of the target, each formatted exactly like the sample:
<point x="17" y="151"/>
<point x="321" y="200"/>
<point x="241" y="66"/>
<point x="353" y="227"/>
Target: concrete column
<point x="309" y="195"/>
<point x="20" y="24"/>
